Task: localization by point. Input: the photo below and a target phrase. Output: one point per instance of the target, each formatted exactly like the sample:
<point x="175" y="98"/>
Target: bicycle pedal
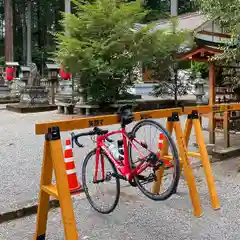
<point x="141" y="177"/>
<point x="133" y="183"/>
<point x="116" y="175"/>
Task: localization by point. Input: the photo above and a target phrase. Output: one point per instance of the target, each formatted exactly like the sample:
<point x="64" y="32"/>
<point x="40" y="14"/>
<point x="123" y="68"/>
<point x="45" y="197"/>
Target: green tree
<point x="45" y="19"/>
<point x="159" y="9"/>
<point x="174" y="86"/>
<point x="201" y="67"/>
<point x="165" y="68"/>
<point x="104" y="49"/>
<point x="228" y="13"/>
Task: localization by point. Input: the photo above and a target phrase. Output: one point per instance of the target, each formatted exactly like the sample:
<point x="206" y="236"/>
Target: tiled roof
<point x="189" y="21"/>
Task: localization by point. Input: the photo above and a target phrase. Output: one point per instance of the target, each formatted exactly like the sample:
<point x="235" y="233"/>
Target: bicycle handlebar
<point x="95" y="131"/>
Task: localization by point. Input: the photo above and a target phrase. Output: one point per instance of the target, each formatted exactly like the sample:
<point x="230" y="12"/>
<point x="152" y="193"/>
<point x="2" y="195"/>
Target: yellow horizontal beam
<point x="215" y="108"/>
<point x="199" y="109"/>
<point x="190" y="154"/>
<point x="226" y="107"/>
<point x="51" y="190"/>
<point x="169" y="158"/>
<point x="194" y="154"/>
<point x="88" y="122"/>
<point x="81" y="123"/>
<point x="166" y="157"/>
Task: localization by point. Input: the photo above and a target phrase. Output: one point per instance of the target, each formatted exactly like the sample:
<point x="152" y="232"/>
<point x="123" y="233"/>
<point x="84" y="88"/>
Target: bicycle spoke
<point x="170" y="169"/>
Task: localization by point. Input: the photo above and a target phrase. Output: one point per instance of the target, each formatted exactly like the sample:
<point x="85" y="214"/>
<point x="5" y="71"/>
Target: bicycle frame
<point x="124" y="169"/>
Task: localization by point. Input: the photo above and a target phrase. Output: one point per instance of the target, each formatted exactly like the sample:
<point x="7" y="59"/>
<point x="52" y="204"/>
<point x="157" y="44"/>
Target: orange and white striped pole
<point x="160" y="144"/>
<point x="73" y="184"/>
<point x="167" y="163"/>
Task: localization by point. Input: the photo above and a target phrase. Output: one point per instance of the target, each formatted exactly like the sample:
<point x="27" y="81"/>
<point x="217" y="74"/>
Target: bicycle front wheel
<point x="100" y="182"/>
<point x="166" y="171"/>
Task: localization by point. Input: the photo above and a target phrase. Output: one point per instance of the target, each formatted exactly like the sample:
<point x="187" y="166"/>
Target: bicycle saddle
<point x="125" y="114"/>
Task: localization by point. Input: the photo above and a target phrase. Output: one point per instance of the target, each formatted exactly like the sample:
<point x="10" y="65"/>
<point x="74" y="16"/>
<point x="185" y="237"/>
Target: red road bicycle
<point x="122" y="165"/>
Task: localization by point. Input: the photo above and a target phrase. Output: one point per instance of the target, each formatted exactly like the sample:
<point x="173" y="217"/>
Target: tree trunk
<point x="24" y="33"/>
<point x="176" y="87"/>
<point x="174" y="12"/>
<point x="39" y="29"/>
<point x="67" y="10"/>
<point x="8" y="30"/>
<point x="14" y="28"/>
<point x="29" y="32"/>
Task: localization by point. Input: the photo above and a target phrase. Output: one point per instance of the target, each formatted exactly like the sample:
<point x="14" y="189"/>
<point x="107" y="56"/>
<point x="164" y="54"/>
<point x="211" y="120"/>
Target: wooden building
<point x="208" y="36"/>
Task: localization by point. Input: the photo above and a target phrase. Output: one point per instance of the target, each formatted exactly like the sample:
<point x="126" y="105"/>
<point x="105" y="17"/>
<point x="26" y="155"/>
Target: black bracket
<point x="193" y="115"/>
<point x="53" y="134"/>
<point x="174" y="117"/>
<point x="41" y="237"/>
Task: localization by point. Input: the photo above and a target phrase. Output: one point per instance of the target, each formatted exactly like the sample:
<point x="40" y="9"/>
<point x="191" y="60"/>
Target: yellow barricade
<point x="193" y="121"/>
<point x="53" y="160"/>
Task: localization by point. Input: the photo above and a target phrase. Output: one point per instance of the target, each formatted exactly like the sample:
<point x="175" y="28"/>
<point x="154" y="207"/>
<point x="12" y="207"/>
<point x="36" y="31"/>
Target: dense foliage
<point x="228" y="13"/>
<point x="161" y="8"/>
<point x="45" y="19"/>
<point x="103" y="47"/>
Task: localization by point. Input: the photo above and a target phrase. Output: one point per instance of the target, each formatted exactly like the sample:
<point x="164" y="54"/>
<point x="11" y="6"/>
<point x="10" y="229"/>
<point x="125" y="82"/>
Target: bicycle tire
<point x="89" y="198"/>
<point x="174" y="184"/>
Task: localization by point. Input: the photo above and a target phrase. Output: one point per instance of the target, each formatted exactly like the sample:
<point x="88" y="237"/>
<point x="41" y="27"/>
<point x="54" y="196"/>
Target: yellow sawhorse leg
<point x="205" y="161"/>
<point x="174" y="123"/>
<point x="53" y="160"/>
<point x="163" y="152"/>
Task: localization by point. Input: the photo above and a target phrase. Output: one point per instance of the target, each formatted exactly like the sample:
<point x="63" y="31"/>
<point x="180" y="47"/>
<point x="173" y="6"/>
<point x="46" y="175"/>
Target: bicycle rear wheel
<point x="106" y="178"/>
<point x="165" y="164"/>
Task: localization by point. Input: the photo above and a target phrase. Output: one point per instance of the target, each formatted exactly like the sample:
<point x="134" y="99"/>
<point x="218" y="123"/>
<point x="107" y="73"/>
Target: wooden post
<point x="212" y="96"/>
<point x="226" y="129"/>
<point x="53" y="92"/>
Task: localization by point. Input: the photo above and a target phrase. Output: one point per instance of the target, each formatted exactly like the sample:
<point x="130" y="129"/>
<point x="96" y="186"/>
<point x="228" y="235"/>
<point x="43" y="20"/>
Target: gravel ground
<point x="21" y="156"/>
<point x="138" y="218"/>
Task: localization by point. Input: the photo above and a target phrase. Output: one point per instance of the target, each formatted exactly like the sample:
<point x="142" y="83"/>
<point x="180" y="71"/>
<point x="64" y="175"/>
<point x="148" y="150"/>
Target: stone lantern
<point x="14" y="65"/>
<point x="53" y="70"/>
<point x="10" y="79"/>
<point x="199" y="89"/>
<point x="25" y="74"/>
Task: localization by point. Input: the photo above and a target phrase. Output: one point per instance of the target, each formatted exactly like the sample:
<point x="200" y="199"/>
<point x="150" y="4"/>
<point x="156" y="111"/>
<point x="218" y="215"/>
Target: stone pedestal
<point x="7" y="95"/>
<point x="16" y="85"/>
<point x="33" y="99"/>
<point x="65" y="92"/>
<point x="34" y="95"/>
<point x="4" y="91"/>
<point x="65" y="97"/>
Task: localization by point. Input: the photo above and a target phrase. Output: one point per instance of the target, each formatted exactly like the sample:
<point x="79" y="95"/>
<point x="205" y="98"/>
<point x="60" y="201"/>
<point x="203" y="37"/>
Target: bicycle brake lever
<point x="79" y="144"/>
<point x="74" y="139"/>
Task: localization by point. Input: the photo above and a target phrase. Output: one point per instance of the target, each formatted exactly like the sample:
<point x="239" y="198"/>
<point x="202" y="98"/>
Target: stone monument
<point x="33" y="96"/>
<point x="4" y="90"/>
<point x="33" y="93"/>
